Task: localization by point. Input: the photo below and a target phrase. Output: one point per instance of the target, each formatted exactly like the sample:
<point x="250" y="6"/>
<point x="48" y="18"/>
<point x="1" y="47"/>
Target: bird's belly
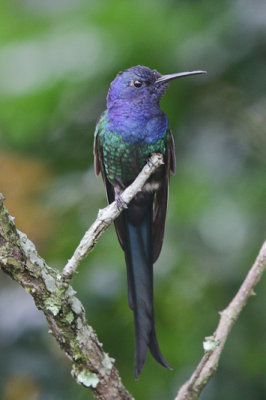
<point x="123" y="160"/>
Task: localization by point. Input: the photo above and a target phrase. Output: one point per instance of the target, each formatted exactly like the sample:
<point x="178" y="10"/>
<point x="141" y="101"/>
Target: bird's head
<point x="141" y="83"/>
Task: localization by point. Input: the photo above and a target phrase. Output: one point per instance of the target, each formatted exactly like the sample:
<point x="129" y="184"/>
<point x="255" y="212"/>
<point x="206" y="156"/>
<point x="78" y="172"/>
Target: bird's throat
<point x="137" y="123"/>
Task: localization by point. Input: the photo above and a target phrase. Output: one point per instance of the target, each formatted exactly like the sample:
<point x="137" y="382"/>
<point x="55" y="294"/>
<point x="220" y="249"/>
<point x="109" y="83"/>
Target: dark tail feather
<point x="138" y="221"/>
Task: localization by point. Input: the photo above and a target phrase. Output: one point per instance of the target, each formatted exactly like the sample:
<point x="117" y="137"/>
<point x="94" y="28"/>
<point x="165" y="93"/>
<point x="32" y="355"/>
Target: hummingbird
<point x="132" y="127"/>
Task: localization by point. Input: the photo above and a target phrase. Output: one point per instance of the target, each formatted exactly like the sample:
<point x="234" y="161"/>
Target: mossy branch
<point x="91" y="366"/>
<point x="53" y="295"/>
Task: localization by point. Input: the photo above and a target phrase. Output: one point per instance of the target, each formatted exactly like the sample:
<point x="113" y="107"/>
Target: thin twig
<point x="214" y="344"/>
<point x="107" y="215"/>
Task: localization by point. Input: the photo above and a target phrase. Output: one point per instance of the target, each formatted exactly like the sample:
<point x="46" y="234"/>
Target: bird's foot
<point x="121" y="204"/>
<point x="150" y="162"/>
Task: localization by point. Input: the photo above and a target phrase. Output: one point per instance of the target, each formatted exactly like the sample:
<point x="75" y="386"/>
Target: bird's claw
<point x="121" y="204"/>
<point x="150" y="162"/>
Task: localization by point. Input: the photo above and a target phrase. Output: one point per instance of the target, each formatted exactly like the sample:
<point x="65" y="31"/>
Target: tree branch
<point x="213" y="345"/>
<point x="91" y="366"/>
<point x="108" y="215"/>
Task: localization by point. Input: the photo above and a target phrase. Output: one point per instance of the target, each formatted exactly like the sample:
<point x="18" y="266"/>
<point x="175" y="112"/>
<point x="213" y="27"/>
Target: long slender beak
<point x="167" y="78"/>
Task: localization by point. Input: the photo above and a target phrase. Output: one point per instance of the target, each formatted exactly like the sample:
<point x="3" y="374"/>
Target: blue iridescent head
<point x="141" y="83"/>
<point x="133" y="104"/>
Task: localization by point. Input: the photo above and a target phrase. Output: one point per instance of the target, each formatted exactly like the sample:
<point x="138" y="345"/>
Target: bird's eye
<point x="137" y="84"/>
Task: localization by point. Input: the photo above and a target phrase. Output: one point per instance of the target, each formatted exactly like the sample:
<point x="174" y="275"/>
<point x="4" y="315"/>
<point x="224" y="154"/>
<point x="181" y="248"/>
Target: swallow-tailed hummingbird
<point x="132" y="128"/>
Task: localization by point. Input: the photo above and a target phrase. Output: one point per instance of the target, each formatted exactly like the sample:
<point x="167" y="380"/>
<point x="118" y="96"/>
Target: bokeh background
<point x="57" y="58"/>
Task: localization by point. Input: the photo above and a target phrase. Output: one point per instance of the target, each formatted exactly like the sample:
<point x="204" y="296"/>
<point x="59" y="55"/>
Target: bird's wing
<point x="99" y="168"/>
<point x="97" y="148"/>
<point x="161" y="197"/>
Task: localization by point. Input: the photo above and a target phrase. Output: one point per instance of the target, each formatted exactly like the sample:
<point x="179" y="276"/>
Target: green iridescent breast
<point x="123" y="160"/>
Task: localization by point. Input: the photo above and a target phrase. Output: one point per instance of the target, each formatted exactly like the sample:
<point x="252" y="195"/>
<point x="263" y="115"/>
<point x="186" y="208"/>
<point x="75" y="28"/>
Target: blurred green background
<point x="57" y="58"/>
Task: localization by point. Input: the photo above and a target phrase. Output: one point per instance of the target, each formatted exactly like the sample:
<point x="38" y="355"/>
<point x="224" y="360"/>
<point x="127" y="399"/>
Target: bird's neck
<point x="136" y="121"/>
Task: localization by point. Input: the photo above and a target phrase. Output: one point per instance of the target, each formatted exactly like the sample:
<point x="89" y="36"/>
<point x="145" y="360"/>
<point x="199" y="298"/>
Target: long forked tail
<point x="138" y="220"/>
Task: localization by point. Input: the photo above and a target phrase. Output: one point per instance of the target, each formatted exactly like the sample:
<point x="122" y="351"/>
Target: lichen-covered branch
<point x="214" y="344"/>
<point x="91" y="366"/>
<point x="107" y="215"/>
